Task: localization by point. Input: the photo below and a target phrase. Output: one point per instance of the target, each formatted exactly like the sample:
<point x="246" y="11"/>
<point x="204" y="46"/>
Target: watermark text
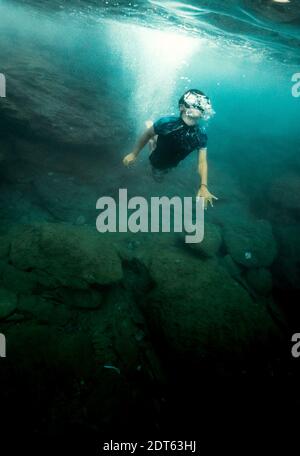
<point x="2" y="86"/>
<point x="2" y="346"/>
<point x="161" y="214"/>
<point x="296" y="347"/>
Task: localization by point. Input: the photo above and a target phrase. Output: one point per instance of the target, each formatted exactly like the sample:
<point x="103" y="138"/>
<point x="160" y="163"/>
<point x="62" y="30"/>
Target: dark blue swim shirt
<point x="175" y="141"/>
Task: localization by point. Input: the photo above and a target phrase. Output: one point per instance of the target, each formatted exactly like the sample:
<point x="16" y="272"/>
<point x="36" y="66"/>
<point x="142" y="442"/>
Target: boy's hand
<point x="129" y="159"/>
<point x="203" y="191"/>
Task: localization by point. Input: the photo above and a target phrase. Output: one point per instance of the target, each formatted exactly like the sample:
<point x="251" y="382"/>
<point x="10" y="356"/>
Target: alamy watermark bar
<point x="2" y="86"/>
<point x="161" y="214"/>
<point x="2" y="346"/>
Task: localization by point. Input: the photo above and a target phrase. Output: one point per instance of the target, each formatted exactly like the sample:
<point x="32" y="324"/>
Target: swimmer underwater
<point x="171" y="139"/>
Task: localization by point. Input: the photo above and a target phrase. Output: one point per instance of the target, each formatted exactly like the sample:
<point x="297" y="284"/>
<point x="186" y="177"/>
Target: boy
<point x="171" y="139"/>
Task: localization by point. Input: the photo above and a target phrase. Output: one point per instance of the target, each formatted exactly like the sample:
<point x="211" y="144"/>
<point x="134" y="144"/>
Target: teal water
<point x="84" y="76"/>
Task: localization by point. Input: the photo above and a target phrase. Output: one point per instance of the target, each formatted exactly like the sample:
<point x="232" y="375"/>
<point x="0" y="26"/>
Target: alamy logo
<point x="2" y="86"/>
<point x="2" y="346"/>
<point x="162" y="214"/>
<point x="296" y="347"/>
<point x="296" y="86"/>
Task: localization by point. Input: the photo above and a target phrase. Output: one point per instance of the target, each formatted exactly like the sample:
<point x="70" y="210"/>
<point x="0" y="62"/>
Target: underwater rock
<point x="232" y="204"/>
<point x="260" y="280"/>
<point x="8" y="303"/>
<point x="43" y="311"/>
<point x="69" y="255"/>
<point x="4" y="246"/>
<point x="65" y="199"/>
<point x="49" y="107"/>
<point x="233" y="268"/>
<point x="15" y="317"/>
<point x="251" y="244"/>
<point x="35" y="307"/>
<point x="236" y="272"/>
<point x="81" y="299"/>
<point x="211" y="242"/>
<point x="18" y="206"/>
<point x="3" y="265"/>
<point x="229" y="213"/>
<point x="60" y="315"/>
<point x="285" y="191"/>
<point x="5" y="150"/>
<point x="80" y="220"/>
<point x="287" y="267"/>
<point x="17" y="280"/>
<point x="139" y="246"/>
<point x="120" y="337"/>
<point x="125" y="329"/>
<point x="198" y="310"/>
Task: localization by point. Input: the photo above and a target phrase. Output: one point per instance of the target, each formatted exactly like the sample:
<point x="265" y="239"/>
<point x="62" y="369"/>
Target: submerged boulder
<point x="64" y="255"/>
<point x="211" y="243"/>
<point x="251" y="244"/>
<point x="80" y="299"/>
<point x="260" y="280"/>
<point x="5" y="150"/>
<point x="121" y="340"/>
<point x="287" y="266"/>
<point x="43" y="310"/>
<point x="4" y="246"/>
<point x="8" y="303"/>
<point x="200" y="311"/>
<point x="19" y="281"/>
<point x="65" y="199"/>
<point x="285" y="191"/>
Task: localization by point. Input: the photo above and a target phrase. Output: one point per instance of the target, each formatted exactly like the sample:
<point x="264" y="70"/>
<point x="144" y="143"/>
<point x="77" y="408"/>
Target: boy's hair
<point x="182" y="102"/>
<point x="196" y="92"/>
<point x="194" y="98"/>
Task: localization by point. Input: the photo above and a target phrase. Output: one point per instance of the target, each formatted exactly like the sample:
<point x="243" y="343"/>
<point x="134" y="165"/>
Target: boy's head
<point x="195" y="105"/>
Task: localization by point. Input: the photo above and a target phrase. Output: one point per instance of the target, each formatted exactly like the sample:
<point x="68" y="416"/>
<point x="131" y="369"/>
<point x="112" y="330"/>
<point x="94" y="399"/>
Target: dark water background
<point x="82" y="77"/>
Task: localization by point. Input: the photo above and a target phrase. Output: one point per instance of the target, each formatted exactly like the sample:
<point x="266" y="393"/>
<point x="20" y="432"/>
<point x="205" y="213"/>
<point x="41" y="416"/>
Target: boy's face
<point x="190" y="116"/>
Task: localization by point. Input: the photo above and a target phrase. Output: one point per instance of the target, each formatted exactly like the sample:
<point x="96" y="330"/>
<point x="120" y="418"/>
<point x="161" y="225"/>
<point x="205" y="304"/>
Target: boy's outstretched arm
<point x="203" y="168"/>
<point x="142" y="141"/>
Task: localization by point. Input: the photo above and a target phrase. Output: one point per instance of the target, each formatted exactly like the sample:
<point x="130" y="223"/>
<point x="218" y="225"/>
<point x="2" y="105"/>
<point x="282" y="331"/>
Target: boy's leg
<point x="152" y="142"/>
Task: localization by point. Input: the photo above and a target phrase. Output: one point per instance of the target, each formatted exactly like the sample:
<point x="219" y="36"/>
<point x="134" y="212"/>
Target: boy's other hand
<point x="208" y="197"/>
<point x="129" y="159"/>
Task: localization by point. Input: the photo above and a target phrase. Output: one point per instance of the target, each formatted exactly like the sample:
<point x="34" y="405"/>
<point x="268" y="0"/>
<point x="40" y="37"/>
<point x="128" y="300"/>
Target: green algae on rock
<point x="251" y="244"/>
<point x="69" y="255"/>
<point x="17" y="280"/>
<point x="200" y="311"/>
<point x="8" y="303"/>
<point x="260" y="280"/>
<point x="4" y="246"/>
<point x="211" y="243"/>
<point x="287" y="267"/>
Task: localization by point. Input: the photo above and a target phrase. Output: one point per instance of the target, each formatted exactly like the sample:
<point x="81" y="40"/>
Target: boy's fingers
<point x="127" y="162"/>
